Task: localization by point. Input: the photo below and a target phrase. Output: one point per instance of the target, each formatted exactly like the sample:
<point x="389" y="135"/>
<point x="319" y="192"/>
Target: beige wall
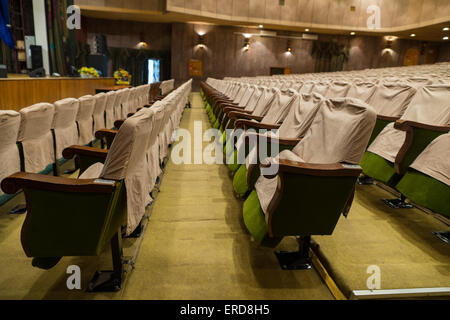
<point x="396" y="15"/>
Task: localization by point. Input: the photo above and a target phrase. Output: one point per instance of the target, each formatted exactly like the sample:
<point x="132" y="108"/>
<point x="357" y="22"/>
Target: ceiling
<point x="428" y="33"/>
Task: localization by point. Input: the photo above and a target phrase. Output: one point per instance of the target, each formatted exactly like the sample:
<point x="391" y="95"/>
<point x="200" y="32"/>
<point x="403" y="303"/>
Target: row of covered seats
<point x="34" y="137"/>
<point x="110" y="196"/>
<point x="321" y="142"/>
<point x="413" y="102"/>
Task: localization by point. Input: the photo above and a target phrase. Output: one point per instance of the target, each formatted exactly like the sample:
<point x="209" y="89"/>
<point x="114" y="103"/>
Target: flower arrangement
<point x="86" y="72"/>
<point x="122" y="77"/>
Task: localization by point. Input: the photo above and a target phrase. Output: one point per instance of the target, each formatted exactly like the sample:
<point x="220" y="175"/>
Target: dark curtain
<point x="82" y="50"/>
<point x="5" y="32"/>
<point x="330" y="56"/>
<point x="61" y="40"/>
<point x="135" y="62"/>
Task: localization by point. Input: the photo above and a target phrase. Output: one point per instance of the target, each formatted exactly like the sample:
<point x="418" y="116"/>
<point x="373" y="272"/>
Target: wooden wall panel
<point x="16" y="94"/>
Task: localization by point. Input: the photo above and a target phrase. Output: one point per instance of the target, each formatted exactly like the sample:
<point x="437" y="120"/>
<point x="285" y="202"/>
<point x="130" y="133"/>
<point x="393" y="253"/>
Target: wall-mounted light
<point x="289" y="47"/>
<point x="445" y="38"/>
<point x="142" y="44"/>
<point x="412" y="35"/>
<point x="445" y="29"/>
<point x="201" y="41"/>
<point x="261" y="26"/>
<point x="390" y="40"/>
<point x="247" y="44"/>
<point x="306" y="30"/>
<point x="352" y="33"/>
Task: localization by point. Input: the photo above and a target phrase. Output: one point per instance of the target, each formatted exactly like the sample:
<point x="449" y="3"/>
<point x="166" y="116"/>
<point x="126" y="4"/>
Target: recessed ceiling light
<point x="412" y="35"/>
<point x="445" y="29"/>
<point x="306" y="29"/>
<point x="352" y="33"/>
<point x="445" y="38"/>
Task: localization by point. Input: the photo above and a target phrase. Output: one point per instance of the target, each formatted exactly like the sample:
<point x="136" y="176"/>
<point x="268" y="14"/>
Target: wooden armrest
<point x="242" y="115"/>
<point x="20" y="180"/>
<point x="73" y="151"/>
<point x="247" y="123"/>
<point x="406" y="125"/>
<point x="321" y="170"/>
<point x="387" y="118"/>
<point x="403" y="160"/>
<point x="229" y="109"/>
<point x="100" y="134"/>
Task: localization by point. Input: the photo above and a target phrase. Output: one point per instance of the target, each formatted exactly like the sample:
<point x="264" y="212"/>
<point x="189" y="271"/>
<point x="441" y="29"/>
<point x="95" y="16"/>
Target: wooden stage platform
<point x="17" y="92"/>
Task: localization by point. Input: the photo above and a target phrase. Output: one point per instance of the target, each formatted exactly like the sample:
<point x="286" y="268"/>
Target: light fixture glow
<point x="352" y="33"/>
<point x="445" y="29"/>
<point x="445" y="38"/>
<point x="261" y="26"/>
<point x="306" y="30"/>
<point x="412" y="35"/>
<point x="247" y="35"/>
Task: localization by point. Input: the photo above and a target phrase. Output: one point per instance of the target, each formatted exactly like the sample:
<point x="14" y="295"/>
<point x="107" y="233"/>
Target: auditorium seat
<point x="65" y="128"/>
<point x="293" y="128"/>
<point x="390" y="100"/>
<point x="98" y="207"/>
<point x="9" y="152"/>
<point x="338" y="89"/>
<point x="397" y="146"/>
<point x="101" y="100"/>
<point x="85" y="120"/>
<point x="427" y="180"/>
<point x="315" y="182"/>
<point x="112" y="96"/>
<point x="35" y="138"/>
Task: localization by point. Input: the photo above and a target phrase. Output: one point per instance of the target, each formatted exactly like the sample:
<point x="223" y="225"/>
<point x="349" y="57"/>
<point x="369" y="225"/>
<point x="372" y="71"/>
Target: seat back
<point x="321" y="88"/>
<point x="264" y="101"/>
<point x="65" y="124"/>
<point x="338" y="89"/>
<point x="362" y="91"/>
<point x="391" y="99"/>
<point x="340" y="132"/>
<point x="9" y="153"/>
<point x="127" y="161"/>
<point x="280" y="106"/>
<point x="125" y="103"/>
<point x="99" y="111"/>
<point x="111" y="98"/>
<point x="85" y="120"/>
<point x="301" y="115"/>
<point x="36" y="137"/>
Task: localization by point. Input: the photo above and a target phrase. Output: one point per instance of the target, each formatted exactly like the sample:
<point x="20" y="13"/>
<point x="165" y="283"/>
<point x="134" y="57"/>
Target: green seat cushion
<point x="240" y="181"/>
<point x="378" y="168"/>
<point x="232" y="161"/>
<point x="255" y="222"/>
<point x="426" y="191"/>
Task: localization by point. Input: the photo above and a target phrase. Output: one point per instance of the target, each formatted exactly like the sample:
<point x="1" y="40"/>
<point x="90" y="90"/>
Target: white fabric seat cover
<point x="111" y="98"/>
<point x="431" y="105"/>
<point x="65" y="124"/>
<point x="127" y="160"/>
<point x="99" y="111"/>
<point x="434" y="160"/>
<point x="339" y="133"/>
<point x="9" y="153"/>
<point x="36" y="136"/>
<point x="362" y="91"/>
<point x="392" y="99"/>
<point x="338" y="89"/>
<point x="85" y="120"/>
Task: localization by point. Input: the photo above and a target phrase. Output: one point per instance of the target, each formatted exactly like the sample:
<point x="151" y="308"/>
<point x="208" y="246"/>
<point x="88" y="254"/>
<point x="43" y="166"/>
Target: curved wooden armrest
<point x="403" y="160"/>
<point x="73" y="151"/>
<point x="100" y="134"/>
<point x="229" y="109"/>
<point x="20" y="180"/>
<point x="244" y="121"/>
<point x="236" y="115"/>
<point x="406" y="125"/>
<point x="270" y="139"/>
<point x="387" y="118"/>
<point x="320" y="170"/>
<point x="257" y="125"/>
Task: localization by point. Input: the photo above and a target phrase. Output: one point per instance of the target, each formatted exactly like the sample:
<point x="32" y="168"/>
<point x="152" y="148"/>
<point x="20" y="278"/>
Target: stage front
<point x="17" y="92"/>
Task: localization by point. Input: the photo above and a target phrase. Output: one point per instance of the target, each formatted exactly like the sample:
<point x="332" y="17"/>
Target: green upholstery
<point x="255" y="222"/>
<point x="425" y="191"/>
<point x="71" y="224"/>
<point x="309" y="205"/>
<point x="378" y="168"/>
